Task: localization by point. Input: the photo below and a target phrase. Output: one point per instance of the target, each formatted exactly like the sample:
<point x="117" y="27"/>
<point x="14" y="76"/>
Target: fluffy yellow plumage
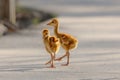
<point x="52" y="46"/>
<point x="67" y="41"/>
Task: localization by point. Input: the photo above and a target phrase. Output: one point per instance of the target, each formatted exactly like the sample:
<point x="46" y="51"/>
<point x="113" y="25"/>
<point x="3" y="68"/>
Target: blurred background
<point x="95" y="23"/>
<point x="81" y="8"/>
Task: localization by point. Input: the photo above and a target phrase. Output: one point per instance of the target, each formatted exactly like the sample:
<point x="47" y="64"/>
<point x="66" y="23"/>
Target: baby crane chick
<point x="68" y="42"/>
<point x="52" y="46"/>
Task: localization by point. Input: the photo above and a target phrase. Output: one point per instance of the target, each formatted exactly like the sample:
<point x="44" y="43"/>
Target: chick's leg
<point x="52" y="62"/>
<point x="55" y="58"/>
<point x="58" y="59"/>
<point x="48" y="62"/>
<point x="68" y="56"/>
<point x="51" y="59"/>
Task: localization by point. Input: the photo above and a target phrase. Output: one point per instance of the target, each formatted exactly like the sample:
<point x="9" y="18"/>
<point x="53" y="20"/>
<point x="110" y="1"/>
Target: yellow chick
<point x="67" y="41"/>
<point x="52" y="46"/>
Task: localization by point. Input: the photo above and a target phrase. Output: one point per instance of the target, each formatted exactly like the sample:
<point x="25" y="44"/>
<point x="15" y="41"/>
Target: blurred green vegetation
<point x="26" y="16"/>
